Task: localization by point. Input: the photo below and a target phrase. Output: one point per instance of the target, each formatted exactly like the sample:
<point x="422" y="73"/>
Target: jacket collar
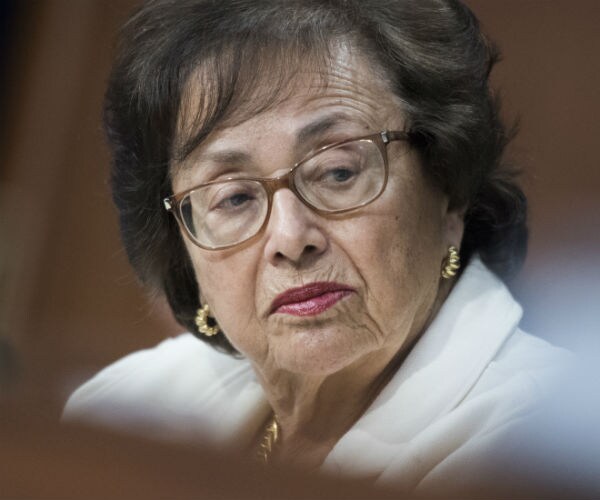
<point x="473" y="323"/>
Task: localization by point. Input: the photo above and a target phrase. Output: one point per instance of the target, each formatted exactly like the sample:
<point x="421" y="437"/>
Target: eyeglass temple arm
<point x="388" y="136"/>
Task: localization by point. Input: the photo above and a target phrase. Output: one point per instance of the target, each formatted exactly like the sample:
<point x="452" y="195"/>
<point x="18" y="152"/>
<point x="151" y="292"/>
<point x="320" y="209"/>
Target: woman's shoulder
<point x="178" y="388"/>
<point x="492" y="427"/>
<point x="175" y="360"/>
<point x="526" y="373"/>
<point x="530" y="356"/>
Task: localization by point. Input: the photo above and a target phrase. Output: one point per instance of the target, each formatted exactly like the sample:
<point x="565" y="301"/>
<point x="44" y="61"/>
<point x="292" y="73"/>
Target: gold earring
<point x="202" y="322"/>
<point x="451" y="263"/>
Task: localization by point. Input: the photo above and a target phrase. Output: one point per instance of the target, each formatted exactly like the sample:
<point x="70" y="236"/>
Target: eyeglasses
<point x="335" y="179"/>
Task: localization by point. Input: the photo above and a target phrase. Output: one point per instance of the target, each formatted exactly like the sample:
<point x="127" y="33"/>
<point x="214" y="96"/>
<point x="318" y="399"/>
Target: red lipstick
<point x="311" y="299"/>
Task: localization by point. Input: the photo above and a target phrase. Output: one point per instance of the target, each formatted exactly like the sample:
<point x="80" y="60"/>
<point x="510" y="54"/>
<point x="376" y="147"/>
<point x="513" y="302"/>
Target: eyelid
<point x="330" y="142"/>
<point x="220" y="175"/>
<point x="330" y="139"/>
<point x="231" y="172"/>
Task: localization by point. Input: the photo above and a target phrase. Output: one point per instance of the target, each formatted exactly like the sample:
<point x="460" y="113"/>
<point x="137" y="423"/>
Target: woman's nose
<point x="293" y="231"/>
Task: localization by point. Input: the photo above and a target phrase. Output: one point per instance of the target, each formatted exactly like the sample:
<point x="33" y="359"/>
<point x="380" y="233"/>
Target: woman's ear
<point x="454" y="226"/>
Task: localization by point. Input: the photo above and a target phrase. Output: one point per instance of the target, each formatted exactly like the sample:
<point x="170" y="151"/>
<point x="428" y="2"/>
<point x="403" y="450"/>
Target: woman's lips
<point x="311" y="299"/>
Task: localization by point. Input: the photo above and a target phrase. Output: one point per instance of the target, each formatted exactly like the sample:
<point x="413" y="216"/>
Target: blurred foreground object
<point x="554" y="454"/>
<point x="40" y="459"/>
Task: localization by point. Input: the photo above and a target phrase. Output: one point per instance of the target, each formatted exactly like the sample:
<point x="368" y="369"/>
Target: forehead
<point x="345" y="84"/>
<point x="348" y="98"/>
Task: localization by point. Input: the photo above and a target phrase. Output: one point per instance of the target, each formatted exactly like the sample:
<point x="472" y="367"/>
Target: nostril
<point x="306" y="251"/>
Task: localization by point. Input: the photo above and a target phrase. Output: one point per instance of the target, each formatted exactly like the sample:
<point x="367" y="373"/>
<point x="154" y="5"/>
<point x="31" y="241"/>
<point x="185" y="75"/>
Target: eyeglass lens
<point x="339" y="178"/>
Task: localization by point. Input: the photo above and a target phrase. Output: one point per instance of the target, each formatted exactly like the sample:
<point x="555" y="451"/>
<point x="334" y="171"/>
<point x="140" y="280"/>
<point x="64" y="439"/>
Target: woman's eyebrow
<point x="319" y="127"/>
<point x="215" y="159"/>
<point x="227" y="157"/>
<point x="213" y="163"/>
<point x="234" y="157"/>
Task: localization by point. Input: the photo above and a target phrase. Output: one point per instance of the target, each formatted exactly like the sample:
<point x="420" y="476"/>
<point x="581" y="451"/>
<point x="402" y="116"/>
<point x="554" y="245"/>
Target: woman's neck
<point x="313" y="412"/>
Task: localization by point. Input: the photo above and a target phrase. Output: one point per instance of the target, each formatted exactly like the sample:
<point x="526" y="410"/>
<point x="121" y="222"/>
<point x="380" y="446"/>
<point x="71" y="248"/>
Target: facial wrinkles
<point x="396" y="261"/>
<point x="325" y="272"/>
<point x="347" y="313"/>
<point x="369" y="105"/>
<point x="349" y="78"/>
<point x="342" y="86"/>
<point x="362" y="105"/>
<point x="347" y="318"/>
<point x="345" y="337"/>
<point x="340" y="92"/>
<point x="347" y="90"/>
<point x="372" y="303"/>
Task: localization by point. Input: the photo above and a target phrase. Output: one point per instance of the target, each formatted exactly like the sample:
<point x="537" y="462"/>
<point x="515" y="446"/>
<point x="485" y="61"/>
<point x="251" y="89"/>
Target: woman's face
<point x="367" y="280"/>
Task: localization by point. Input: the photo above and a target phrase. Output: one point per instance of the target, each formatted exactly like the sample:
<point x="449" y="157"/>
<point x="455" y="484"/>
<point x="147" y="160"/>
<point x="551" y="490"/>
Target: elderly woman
<point x="317" y="188"/>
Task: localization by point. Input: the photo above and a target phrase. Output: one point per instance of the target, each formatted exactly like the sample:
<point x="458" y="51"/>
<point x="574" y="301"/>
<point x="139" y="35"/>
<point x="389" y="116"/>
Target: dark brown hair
<point x="431" y="51"/>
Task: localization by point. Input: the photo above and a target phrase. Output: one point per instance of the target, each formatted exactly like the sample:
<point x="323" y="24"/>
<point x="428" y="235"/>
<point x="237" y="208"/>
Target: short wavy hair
<point x="431" y="51"/>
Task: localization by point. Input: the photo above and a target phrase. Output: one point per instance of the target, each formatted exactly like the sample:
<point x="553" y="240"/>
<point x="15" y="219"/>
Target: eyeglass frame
<point x="271" y="185"/>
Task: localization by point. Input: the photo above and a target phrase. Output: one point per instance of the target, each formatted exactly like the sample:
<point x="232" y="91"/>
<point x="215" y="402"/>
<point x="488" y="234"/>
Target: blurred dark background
<point x="69" y="304"/>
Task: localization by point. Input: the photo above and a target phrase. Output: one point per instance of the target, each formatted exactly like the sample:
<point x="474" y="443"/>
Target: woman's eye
<point x="340" y="174"/>
<point x="233" y="202"/>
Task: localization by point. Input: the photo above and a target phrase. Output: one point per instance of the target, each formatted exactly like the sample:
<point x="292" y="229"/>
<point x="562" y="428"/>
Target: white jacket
<point x="470" y="377"/>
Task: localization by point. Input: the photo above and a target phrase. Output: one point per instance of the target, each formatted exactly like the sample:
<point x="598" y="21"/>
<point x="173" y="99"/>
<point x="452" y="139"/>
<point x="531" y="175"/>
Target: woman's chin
<point x="319" y="351"/>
